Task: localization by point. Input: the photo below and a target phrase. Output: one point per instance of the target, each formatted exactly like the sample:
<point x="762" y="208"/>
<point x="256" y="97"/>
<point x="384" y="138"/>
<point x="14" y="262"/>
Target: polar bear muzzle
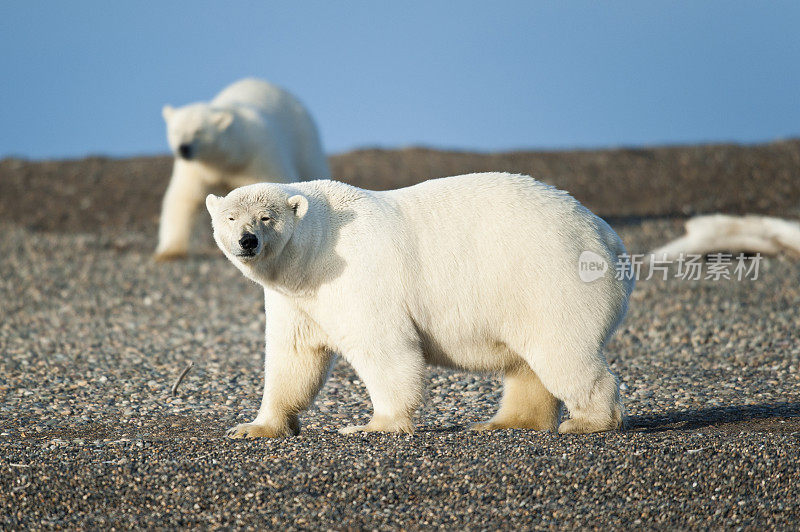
<point x="249" y="244"/>
<point x="185" y="151"/>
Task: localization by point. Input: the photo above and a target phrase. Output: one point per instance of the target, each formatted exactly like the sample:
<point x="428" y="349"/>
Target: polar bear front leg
<point x="393" y="375"/>
<point x="296" y="365"/>
<point x="185" y="194"/>
<point x="292" y="380"/>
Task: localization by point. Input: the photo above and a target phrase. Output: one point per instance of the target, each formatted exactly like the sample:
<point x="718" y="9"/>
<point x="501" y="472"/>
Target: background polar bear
<point x="477" y="272"/>
<point x="252" y="131"/>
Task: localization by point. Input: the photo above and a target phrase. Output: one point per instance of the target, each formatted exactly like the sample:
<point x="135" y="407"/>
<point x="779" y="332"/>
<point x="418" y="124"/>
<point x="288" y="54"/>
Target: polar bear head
<point x="253" y="224"/>
<point x="201" y="132"/>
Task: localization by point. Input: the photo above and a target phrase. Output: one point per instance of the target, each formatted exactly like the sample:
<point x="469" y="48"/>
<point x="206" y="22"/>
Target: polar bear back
<point x="265" y="96"/>
<point x="505" y="235"/>
<point x="282" y="112"/>
<point x="488" y="219"/>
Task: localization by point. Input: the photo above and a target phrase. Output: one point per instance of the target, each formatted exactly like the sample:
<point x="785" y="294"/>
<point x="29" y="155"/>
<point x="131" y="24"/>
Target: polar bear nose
<point x="249" y="241"/>
<point x="185" y="151"/>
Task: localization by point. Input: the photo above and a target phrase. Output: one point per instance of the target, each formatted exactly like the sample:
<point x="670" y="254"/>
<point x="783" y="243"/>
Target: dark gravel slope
<point x="85" y="194"/>
<point x="93" y="334"/>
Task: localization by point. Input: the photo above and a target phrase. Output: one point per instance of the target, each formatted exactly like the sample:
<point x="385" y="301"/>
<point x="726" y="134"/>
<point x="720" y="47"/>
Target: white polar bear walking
<point x="478" y="272"/>
<point x="252" y="131"/>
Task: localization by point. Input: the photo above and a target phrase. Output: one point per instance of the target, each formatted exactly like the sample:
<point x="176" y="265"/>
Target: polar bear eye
<point x="230" y="218"/>
<point x="265" y="218"/>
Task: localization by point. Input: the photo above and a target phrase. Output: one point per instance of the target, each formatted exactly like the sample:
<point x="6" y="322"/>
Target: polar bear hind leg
<point x="576" y="372"/>
<point x="526" y="404"/>
<point x="601" y="411"/>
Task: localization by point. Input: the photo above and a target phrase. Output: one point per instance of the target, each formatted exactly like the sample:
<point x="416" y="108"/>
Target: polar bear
<point x="735" y="234"/>
<point x="251" y="131"/>
<point x="478" y="272"/>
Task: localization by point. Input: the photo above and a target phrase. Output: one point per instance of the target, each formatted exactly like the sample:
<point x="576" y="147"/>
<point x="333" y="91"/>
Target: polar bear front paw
<point x="490" y="425"/>
<point x="251" y="430"/>
<point x="494" y="424"/>
<point x="381" y="424"/>
<point x="352" y="429"/>
<point x="588" y="426"/>
<point x="166" y="256"/>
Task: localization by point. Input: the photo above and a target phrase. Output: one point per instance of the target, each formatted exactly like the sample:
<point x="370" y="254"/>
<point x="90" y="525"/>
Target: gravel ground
<point x="93" y="334"/>
<point x="81" y="195"/>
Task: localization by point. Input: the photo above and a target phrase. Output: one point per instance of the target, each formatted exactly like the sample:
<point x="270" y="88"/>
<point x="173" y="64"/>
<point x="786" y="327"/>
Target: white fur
<point x="252" y="131"/>
<point x="478" y="272"/>
<point x="734" y="234"/>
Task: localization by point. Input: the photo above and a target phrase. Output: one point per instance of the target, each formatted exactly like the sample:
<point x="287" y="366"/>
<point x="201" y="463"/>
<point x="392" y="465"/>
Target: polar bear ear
<point x="299" y="204"/>
<point x="222" y="120"/>
<point x="212" y="202"/>
<point x="166" y="112"/>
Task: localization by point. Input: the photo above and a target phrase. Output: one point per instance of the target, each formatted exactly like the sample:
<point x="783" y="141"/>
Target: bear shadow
<point x="336" y="263"/>
<point x="762" y="418"/>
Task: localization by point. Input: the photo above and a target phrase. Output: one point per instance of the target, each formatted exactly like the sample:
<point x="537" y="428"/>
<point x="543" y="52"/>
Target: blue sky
<point x="90" y="77"/>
